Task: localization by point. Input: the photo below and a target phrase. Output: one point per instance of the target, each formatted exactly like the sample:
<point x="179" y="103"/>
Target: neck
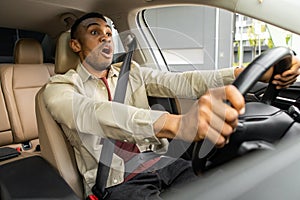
<point x="96" y="73"/>
<point x="101" y="74"/>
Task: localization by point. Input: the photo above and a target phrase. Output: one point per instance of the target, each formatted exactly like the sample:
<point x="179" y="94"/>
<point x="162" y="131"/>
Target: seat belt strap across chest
<point x="99" y="189"/>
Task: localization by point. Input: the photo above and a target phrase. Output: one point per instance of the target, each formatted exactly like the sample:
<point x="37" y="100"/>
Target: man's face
<point x="94" y="37"/>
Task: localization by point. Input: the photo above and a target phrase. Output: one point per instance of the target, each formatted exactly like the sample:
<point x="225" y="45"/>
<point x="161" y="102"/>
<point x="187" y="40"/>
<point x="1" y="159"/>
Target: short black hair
<point x="84" y="17"/>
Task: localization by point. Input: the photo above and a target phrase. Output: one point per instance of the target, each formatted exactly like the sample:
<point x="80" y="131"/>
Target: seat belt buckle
<point x="98" y="194"/>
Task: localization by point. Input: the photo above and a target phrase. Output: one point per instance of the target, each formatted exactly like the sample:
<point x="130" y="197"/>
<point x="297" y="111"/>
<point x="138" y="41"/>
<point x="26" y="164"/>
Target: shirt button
<point x="115" y="180"/>
<point x="146" y="140"/>
<point x="125" y="140"/>
<point x="103" y="88"/>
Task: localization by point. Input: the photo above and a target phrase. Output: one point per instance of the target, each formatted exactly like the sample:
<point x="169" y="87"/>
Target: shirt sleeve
<point x="192" y="84"/>
<point x="65" y="99"/>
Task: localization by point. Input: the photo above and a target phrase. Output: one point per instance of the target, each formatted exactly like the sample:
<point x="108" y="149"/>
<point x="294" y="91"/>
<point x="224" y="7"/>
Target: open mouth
<point x="107" y="51"/>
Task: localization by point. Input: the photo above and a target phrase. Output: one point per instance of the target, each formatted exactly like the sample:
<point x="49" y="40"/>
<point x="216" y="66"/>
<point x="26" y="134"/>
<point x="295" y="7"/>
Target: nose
<point x="105" y="38"/>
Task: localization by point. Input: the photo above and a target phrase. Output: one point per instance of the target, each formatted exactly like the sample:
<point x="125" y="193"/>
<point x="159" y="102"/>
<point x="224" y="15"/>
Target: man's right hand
<point x="209" y="117"/>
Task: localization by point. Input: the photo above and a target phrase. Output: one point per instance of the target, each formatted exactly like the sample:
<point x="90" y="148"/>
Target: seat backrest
<point x="6" y="136"/>
<point x="55" y="147"/>
<point x="20" y="82"/>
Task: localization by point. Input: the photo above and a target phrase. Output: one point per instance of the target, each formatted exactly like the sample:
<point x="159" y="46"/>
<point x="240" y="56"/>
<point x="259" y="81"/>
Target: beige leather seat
<point x="20" y="82"/>
<point x="6" y="136"/>
<point x="55" y="148"/>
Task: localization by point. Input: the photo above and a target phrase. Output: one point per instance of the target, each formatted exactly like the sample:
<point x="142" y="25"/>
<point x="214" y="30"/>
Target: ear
<point x="75" y="45"/>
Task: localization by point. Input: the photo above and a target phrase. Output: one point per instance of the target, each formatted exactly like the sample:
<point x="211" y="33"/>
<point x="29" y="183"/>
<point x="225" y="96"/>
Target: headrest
<point x="28" y="51"/>
<point x="65" y="58"/>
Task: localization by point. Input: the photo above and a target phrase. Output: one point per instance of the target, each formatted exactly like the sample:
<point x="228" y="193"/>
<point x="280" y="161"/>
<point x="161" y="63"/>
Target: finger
<point x="278" y="87"/>
<point x="217" y="139"/>
<point x="283" y="84"/>
<point x="285" y="77"/>
<point x="236" y="99"/>
<point x="212" y="120"/>
<point x="230" y="93"/>
<point x="223" y="127"/>
<point x="291" y="72"/>
<point x="225" y="113"/>
<point x="284" y="80"/>
<point x="218" y="116"/>
<point x="215" y="106"/>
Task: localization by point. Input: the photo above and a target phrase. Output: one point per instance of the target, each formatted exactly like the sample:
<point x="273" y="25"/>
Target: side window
<point x="202" y="37"/>
<point x="119" y="48"/>
<point x="252" y="37"/>
<point x="186" y="36"/>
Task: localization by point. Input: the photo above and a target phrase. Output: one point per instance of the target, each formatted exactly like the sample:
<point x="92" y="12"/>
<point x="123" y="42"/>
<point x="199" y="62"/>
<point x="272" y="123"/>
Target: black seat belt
<point x="99" y="189"/>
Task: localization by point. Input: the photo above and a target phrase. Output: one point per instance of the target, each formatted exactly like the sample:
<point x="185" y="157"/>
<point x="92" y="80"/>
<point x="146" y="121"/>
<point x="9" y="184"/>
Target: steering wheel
<point x="251" y="133"/>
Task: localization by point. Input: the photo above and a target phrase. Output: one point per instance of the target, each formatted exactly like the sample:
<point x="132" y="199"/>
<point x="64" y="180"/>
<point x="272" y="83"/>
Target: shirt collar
<point x="113" y="71"/>
<point x="85" y="75"/>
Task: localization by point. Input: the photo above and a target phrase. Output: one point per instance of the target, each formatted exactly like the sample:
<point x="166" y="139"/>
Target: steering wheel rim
<point x="280" y="58"/>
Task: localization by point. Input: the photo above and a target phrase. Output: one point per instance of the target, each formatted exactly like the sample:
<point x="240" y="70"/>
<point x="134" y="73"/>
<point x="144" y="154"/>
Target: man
<point x="81" y="102"/>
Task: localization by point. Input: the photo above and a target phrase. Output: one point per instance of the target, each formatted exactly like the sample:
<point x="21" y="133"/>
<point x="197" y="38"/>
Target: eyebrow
<point x="96" y="24"/>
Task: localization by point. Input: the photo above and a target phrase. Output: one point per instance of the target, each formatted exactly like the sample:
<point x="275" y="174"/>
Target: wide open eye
<point x="109" y="34"/>
<point x="94" y="32"/>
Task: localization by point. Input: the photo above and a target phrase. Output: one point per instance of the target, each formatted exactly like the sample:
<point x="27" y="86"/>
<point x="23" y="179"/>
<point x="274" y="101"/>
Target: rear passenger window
<point x="7" y="42"/>
<point x="8" y="38"/>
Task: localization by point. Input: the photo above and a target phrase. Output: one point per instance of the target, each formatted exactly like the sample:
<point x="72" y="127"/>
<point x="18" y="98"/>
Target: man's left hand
<point x="285" y="79"/>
